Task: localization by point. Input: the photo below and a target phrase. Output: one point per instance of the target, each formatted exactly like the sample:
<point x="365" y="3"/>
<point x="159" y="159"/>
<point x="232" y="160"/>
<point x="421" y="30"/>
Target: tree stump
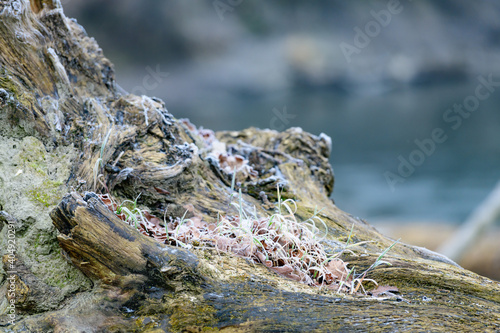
<point x="68" y="127"/>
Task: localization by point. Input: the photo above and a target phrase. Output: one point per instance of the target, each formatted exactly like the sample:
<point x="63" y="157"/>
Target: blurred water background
<point x="231" y="64"/>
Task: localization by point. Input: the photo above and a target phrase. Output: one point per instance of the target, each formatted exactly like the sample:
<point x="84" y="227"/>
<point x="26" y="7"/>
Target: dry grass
<point x="285" y="245"/>
<point x="289" y="247"/>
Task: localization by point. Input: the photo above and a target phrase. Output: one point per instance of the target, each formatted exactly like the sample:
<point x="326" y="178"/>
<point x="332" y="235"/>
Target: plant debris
<point x="384" y="290"/>
<point x="286" y="246"/>
<point x="229" y="162"/>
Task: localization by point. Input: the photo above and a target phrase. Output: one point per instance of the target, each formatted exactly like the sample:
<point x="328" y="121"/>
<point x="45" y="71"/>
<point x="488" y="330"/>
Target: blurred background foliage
<point x="235" y="64"/>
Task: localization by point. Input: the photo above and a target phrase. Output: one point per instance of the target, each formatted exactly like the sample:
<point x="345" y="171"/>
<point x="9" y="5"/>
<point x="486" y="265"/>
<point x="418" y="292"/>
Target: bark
<point x="57" y="88"/>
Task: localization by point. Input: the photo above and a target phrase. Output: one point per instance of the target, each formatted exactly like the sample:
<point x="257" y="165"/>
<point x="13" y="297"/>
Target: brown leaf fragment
<point x="188" y="124"/>
<point x="294" y="277"/>
<point x="207" y="135"/>
<point x="197" y="222"/>
<point x="337" y="268"/>
<point x="161" y="191"/>
<point x="285" y="270"/>
<point x="222" y="243"/>
<point x="384" y="290"/>
<point x="106" y="199"/>
<point x="152" y="219"/>
<point x="261" y="256"/>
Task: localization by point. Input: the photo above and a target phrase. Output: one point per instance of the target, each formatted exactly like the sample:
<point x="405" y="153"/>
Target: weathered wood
<point x="106" y="249"/>
<point x="56" y="85"/>
<point x="250" y="298"/>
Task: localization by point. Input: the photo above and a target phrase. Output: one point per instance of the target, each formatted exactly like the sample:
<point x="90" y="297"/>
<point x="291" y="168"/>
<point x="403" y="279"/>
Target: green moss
<point x="68" y="277"/>
<point x="37" y="195"/>
<point x="192" y="316"/>
<point x="33" y="151"/>
<point x="54" y="271"/>
<point x="23" y="98"/>
<point x="185" y="312"/>
<point x="7" y="84"/>
<point x="47" y="194"/>
<point x="33" y="156"/>
<point x="38" y="164"/>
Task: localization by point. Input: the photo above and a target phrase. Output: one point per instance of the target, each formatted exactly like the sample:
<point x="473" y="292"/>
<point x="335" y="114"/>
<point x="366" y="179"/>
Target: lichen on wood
<point x="57" y="91"/>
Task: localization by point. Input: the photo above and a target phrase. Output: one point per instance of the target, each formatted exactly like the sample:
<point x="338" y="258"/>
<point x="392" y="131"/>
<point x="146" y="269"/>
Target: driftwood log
<point x="60" y="104"/>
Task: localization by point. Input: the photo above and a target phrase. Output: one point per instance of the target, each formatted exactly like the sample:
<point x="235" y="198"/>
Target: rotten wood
<point x="106" y="249"/>
<point x="429" y="296"/>
<point x="56" y="85"/>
